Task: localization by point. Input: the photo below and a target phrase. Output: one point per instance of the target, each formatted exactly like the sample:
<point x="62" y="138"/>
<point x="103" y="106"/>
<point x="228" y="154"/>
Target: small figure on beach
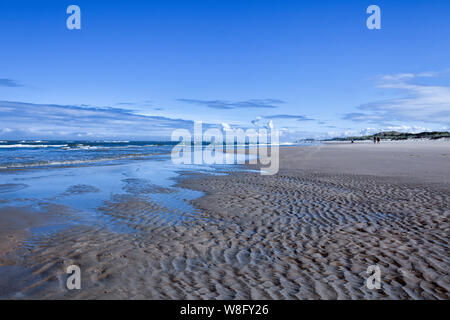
<point x="374" y="139"/>
<point x="378" y="139"/>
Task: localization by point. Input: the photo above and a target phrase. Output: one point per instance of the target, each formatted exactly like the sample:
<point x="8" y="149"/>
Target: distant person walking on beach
<point x="374" y="140"/>
<point x="378" y="139"/>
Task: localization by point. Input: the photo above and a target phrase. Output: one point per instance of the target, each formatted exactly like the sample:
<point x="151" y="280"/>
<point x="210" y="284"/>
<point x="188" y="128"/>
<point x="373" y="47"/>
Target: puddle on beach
<point x="85" y="189"/>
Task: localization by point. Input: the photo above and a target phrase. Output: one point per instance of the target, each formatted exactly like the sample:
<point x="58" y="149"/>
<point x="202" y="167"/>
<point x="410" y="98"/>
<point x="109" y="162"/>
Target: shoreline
<point x="309" y="232"/>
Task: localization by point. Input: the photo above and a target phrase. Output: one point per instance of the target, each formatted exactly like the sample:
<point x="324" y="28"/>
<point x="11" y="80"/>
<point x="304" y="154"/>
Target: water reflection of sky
<point x="50" y="185"/>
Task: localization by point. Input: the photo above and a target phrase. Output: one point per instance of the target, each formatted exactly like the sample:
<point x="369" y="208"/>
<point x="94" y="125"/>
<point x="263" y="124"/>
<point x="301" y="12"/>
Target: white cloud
<point x="405" y="128"/>
<point x="20" y="120"/>
<point x="416" y="103"/>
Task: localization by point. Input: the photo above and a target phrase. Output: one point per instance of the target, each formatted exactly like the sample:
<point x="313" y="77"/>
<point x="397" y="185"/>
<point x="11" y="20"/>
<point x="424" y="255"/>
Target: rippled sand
<point x="309" y="232"/>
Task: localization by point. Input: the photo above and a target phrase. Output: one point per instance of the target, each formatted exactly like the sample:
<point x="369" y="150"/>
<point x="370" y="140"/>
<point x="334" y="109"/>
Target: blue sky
<point x="139" y="69"/>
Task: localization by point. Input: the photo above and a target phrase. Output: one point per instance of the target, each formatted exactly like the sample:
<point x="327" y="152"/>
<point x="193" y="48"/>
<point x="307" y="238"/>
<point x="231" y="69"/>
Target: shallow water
<point x="84" y="189"/>
<point x="83" y="178"/>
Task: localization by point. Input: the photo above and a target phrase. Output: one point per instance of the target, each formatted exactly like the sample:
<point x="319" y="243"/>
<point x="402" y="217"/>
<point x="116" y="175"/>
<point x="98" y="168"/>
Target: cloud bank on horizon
<point x="416" y="107"/>
<point x="19" y="120"/>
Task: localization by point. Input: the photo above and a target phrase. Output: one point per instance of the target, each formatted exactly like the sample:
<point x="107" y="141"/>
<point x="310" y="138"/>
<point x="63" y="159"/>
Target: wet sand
<point x="309" y="232"/>
<point x="14" y="229"/>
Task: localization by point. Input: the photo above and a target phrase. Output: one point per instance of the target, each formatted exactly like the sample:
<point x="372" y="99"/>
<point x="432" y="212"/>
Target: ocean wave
<point x="80" y="146"/>
<point x="73" y="162"/>
<point x="20" y="145"/>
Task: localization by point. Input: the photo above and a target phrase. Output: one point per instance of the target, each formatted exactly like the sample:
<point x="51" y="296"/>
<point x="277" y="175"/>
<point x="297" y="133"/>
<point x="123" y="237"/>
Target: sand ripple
<point x="296" y="235"/>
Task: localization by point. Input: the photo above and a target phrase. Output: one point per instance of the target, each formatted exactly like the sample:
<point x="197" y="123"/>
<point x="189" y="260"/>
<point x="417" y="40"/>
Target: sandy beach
<point x="308" y="232"/>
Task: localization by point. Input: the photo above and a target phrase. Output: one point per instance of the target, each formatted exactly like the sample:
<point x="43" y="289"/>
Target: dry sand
<point x="309" y="232"/>
<point x="419" y="161"/>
